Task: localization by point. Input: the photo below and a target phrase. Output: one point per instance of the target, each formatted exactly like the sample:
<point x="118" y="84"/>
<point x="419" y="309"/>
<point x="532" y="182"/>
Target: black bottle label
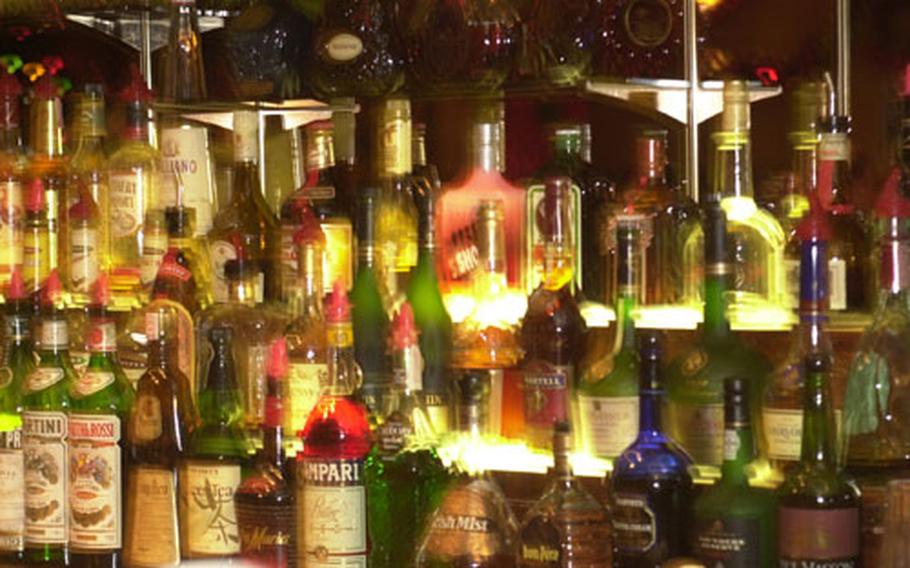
<point x="540" y="545"/>
<point x="634" y="526"/>
<point x="731" y="543"/>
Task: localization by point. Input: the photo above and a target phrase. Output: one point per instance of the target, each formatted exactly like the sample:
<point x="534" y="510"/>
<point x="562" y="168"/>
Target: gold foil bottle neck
<point x="47" y="127"/>
<point x="736" y="115"/>
<point x="320" y="147"/>
<point x="395" y="139"/>
<point x="419" y="144"/>
<point x="487" y="146"/>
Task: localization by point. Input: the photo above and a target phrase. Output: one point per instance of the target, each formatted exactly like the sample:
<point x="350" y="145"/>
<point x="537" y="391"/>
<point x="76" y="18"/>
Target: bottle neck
<point x="344" y="139"/>
<point x="309" y="276"/>
<point x="716" y="323"/>
<point x="103" y="336"/>
<point x="739" y="452"/>
<point x="18" y="330"/>
<point x="733" y="164"/>
<point x="47" y="129"/>
<point x="242" y="290"/>
<point x="818" y="444"/>
<point x="340" y="355"/>
<point x="157" y="354"/>
<point x="272" y="452"/>
<point x="562" y="467"/>
<point x="184" y="79"/>
<point x="54" y="334"/>
<point x="137" y="122"/>
<point x="395" y="146"/>
<point x="408" y="369"/>
<point x="651" y="395"/>
<point x="651" y="162"/>
<point x="804" y="165"/>
<point x="834" y="169"/>
<point x="320" y="152"/>
<point x="625" y="323"/>
<point x="487" y="148"/>
<point x="895" y="257"/>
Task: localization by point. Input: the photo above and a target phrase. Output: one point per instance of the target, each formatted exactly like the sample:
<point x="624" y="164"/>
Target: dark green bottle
<point x="818" y="513"/>
<point x="212" y="471"/>
<point x="45" y="402"/>
<point x="735" y="523"/>
<point x="100" y="402"/>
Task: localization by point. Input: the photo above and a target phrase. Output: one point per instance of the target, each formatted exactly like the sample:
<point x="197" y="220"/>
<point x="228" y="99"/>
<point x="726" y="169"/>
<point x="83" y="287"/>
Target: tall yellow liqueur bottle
<point x="184" y="143"/>
<point x="12" y="169"/>
<point x="83" y="253"/>
<point x="133" y="182"/>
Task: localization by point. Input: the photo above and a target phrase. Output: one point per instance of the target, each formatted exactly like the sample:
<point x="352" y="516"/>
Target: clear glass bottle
<point x="12" y="171"/>
<point x="83" y="256"/>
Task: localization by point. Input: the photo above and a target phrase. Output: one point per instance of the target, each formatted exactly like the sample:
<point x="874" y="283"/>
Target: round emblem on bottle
<point x="343" y="47"/>
<point x="695" y="362"/>
<point x="648" y="23"/>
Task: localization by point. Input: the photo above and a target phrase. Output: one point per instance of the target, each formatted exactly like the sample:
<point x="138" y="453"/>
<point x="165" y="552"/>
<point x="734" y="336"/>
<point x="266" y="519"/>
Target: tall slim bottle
<point x="12" y="176"/>
<point x="155" y="443"/>
<point x="331" y="491"/>
<point x="211" y="471"/>
<point x="100" y="402"/>
<point x="83" y="258"/>
<point x="183" y="275"/>
<point x="36" y="262"/>
<point x="650" y="489"/>
<point x="45" y="402"/>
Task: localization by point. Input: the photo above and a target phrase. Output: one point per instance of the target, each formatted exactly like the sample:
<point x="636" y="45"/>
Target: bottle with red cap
<point x="265" y="499"/>
<point x="336" y="440"/>
<point x="100" y="401"/>
<point x="46" y="401"/>
<point x="12" y="169"/>
<point x="36" y="263"/>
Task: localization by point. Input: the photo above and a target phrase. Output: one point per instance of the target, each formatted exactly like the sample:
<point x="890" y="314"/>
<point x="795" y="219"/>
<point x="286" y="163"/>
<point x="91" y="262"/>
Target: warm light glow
<point x="597" y="315"/>
<point x="750" y="313"/>
<point x="738" y="208"/>
<point x="668" y="316"/>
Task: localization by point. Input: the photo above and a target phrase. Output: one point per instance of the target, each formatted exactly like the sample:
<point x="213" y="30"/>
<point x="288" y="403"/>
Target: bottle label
<point x="648" y="27"/>
<point x="339" y="246"/>
<point x="546" y="396"/>
<point x="146" y="418"/>
<point x="608" y="424"/>
<point x="220" y="252"/>
<point x="333" y="530"/>
<point x="154" y="513"/>
<point x="46" y="473"/>
<point x="54" y="334"/>
<point x="35" y="259"/>
<point x="288" y="259"/>
<point x="172" y="269"/>
<point x="103" y="338"/>
<point x="186" y="153"/>
<point x="94" y="482"/>
<point x="729" y="542"/>
<point x="266" y="532"/>
<point x="43" y="378"/>
<point x="91" y="382"/>
<point x="211" y="519"/>
<point x="343" y="47"/>
<point x="394" y="434"/>
<point x="126" y="193"/>
<point x="305" y="383"/>
<point x="84" y="264"/>
<point x="834" y="147"/>
<point x="79" y="360"/>
<point x="699" y="429"/>
<point x="783" y="432"/>
<point x="829" y="538"/>
<point x="154" y="247"/>
<point x="732" y="443"/>
<point x="11" y="218"/>
<point x="837" y="284"/>
<point x="257" y="358"/>
<point x="396" y="144"/>
<point x="634" y="526"/>
<point x="540" y="545"/>
<point x="12" y="491"/>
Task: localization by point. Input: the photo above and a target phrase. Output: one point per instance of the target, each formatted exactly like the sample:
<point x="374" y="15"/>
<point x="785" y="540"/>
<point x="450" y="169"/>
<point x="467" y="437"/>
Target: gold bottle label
<point x="35" y="259"/>
<point x="305" y="382"/>
<point x="155" y="540"/>
<point x="94" y="482"/>
<point x="84" y="265"/>
<point x="125" y="199"/>
<point x="154" y="247"/>
<point x="11" y="215"/>
<point x="210" y="519"/>
<point x="608" y="424"/>
<point x="12" y="491"/>
<point x="332" y="499"/>
<point x="146" y="418"/>
<point x="337" y="262"/>
<point x="186" y="153"/>
<point x="700" y="430"/>
<point x="46" y="473"/>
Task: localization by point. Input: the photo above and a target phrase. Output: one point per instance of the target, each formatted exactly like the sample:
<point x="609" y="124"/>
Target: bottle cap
<point x="53" y="289"/>
<point x="338" y="307"/>
<point x="735" y="117"/>
<point x="404" y="329"/>
<point x="891" y="202"/>
<point x="278" y="358"/>
<point x="34" y="202"/>
<point x="10" y="87"/>
<point x="736" y="400"/>
<point x="562" y="438"/>
<point x="101" y="291"/>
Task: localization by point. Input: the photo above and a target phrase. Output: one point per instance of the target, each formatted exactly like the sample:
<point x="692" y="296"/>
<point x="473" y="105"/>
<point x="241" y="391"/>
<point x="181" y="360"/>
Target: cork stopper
<point x="736" y="116"/>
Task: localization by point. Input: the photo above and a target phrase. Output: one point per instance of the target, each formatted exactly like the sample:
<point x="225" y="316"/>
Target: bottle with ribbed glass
<point x="13" y="164"/>
<point x="405" y="477"/>
<point x="245" y="222"/>
<point x="552" y="328"/>
<point x="782" y="402"/>
<point x="45" y="403"/>
<point x="18" y="361"/>
<point x="695" y="395"/>
<point x="211" y="471"/>
<point x="331" y="487"/>
<point x="183" y="273"/>
<point x="184" y="143"/>
<point x="818" y="514"/>
<point x="651" y="488"/>
<point x="608" y="382"/>
<point x="100" y="402"/>
<point x="133" y="185"/>
<point x="155" y="440"/>
<point x="734" y="522"/>
<point x="567" y="526"/>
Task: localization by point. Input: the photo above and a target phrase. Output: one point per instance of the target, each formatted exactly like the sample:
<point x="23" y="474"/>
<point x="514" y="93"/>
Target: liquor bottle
<point x="48" y="159"/>
<point x="246" y="219"/>
<point x="782" y="402"/>
<point x="344" y="145"/>
<point x="133" y="184"/>
<point x="254" y="325"/>
<point x="458" y="222"/>
<point x="405" y="477"/>
<point x="36" y="262"/>
<point x="100" y="401"/>
<point x="608" y="383"/>
<point x="650" y="488"/>
<point x="430" y="312"/>
<point x="265" y="499"/>
<point x="735" y="523"/>
<point x="45" y="402"/>
<point x="185" y="144"/>
<point x="355" y="51"/>
<point x="558" y="41"/>
<point x="83" y="255"/>
<point x="155" y="442"/>
<point x="13" y="165"/>
<point x="183" y="272"/>
<point x="552" y="329"/>
<point x="477" y="40"/>
<point x="757" y="239"/>
<point x="336" y="440"/>
<point x="567" y="526"/>
<point x="695" y="414"/>
<point x="210" y="473"/>
<point x="17" y="363"/>
<point x="540" y="207"/>
<point x="154" y="247"/>
<point x="370" y="319"/>
<point x="305" y="334"/>
<point x="818" y="512"/>
<point x="396" y="214"/>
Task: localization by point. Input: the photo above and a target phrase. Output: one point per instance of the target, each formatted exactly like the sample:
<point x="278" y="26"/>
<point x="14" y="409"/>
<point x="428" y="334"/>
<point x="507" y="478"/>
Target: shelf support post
<point x="691" y="64"/>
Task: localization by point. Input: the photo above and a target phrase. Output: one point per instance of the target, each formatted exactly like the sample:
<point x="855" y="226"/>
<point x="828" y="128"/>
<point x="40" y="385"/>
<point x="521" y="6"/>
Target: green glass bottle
<point x="211" y="472"/>
<point x="695" y="413"/>
<point x="608" y="385"/>
<point x="16" y="363"/>
<point x="101" y="398"/>
<point x="45" y="402"/>
<point x="370" y="320"/>
<point x="818" y="513"/>
<point x="735" y="523"/>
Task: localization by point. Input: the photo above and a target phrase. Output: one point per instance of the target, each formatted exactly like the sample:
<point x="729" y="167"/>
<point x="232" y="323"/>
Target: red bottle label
<point x="827" y="537"/>
<point x="546" y="393"/>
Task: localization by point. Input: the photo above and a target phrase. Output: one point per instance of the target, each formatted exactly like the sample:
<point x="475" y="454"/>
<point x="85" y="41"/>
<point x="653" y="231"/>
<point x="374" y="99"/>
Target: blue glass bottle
<point x="651" y="490"/>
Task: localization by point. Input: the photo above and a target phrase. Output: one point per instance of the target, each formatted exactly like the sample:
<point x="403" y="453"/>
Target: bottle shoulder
<point x="723" y="499"/>
<point x="653" y="459"/>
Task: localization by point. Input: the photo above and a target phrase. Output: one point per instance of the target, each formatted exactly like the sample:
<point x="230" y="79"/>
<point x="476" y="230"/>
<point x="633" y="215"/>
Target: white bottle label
<point x="608" y="424"/>
<point x="837" y="284"/>
<point x="333" y="529"/>
<point x="305" y="382"/>
<point x="154" y="512"/>
<point x="84" y="264"/>
<point x="343" y="47"/>
<point x="12" y="491"/>
<point x="126" y="208"/>
<point x="783" y="432"/>
<point x="11" y="216"/>
<point x="207" y="493"/>
<point x="186" y="153"/>
<point x="94" y="482"/>
<point x="154" y="247"/>
<point x="46" y="472"/>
